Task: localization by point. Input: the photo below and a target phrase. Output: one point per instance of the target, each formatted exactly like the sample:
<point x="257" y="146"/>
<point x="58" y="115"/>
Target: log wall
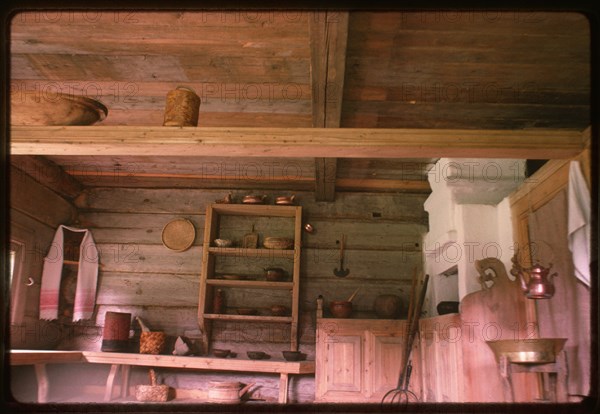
<point x="35" y="212"/>
<point x="141" y="276"/>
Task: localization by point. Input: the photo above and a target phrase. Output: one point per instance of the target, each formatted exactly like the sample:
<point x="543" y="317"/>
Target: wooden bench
<point x="124" y="361"/>
<point x="39" y="359"/>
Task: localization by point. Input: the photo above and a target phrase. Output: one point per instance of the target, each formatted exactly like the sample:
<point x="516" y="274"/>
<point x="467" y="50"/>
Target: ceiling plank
<point x="296" y="142"/>
<point x="328" y="43"/>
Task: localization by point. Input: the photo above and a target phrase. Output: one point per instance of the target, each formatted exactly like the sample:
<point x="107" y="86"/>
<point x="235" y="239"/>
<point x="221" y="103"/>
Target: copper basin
<point x="528" y="351"/>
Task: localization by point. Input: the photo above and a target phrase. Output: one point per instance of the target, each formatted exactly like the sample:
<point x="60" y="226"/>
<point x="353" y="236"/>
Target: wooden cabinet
<point x="251" y="261"/>
<point x="359" y="360"/>
<point x="441" y="358"/>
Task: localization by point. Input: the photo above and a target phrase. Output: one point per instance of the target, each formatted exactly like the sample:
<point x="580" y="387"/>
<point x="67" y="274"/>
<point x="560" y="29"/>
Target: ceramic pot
<point x="387" y="306"/>
<point x="341" y="308"/>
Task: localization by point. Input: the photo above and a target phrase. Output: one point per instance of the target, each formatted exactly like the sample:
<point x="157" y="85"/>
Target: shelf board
<point x="250" y="283"/>
<point x="241" y="252"/>
<point x="263" y="210"/>
<point x="71" y="262"/>
<point x="248" y="318"/>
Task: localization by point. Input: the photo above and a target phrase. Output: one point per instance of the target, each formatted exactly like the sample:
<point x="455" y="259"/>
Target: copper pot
<point x="540" y="284"/>
<point x="254" y="199"/>
<point x="285" y="201"/>
<point x="274" y="274"/>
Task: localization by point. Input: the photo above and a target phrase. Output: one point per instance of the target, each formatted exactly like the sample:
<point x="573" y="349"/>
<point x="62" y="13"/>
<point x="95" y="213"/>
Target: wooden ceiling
<point x="435" y="69"/>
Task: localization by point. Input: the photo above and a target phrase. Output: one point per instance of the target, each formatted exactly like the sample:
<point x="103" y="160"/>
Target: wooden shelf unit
<point x="240" y="252"/>
<point x="260" y="284"/>
<point x="209" y="281"/>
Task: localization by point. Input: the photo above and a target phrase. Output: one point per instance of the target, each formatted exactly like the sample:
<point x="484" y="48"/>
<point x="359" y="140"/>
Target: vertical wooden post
<point x="42" y="382"/>
<point x="328" y="43"/>
<point x="114" y="368"/>
<point x="283" y="388"/>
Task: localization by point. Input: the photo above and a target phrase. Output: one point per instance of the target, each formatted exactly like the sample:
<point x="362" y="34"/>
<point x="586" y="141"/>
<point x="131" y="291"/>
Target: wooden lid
<point x="178" y="235"/>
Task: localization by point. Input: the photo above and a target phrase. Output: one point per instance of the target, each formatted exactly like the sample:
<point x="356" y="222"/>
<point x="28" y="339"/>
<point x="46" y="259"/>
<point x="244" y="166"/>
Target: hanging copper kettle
<point x="540" y="284"/>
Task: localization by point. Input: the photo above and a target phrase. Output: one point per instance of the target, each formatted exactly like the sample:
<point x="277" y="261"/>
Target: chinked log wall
<point x="35" y="212"/>
<point x="139" y="275"/>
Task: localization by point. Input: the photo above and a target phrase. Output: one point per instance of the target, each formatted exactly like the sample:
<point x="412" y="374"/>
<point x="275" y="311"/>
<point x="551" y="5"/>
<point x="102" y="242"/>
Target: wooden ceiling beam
<point x="328" y="41"/>
<point x="49" y="174"/>
<point x="295" y="142"/>
<point x="388" y="186"/>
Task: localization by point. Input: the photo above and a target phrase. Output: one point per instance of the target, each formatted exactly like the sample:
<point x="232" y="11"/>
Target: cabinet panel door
<point x="344" y="364"/>
<point x="385" y="358"/>
<point x="441" y="350"/>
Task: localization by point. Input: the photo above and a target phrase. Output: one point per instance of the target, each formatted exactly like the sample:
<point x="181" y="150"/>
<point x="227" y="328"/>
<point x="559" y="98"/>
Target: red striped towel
<point x="87" y="277"/>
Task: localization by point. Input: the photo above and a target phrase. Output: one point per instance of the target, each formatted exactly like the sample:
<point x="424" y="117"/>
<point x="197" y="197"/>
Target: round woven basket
<point x="178" y="235"/>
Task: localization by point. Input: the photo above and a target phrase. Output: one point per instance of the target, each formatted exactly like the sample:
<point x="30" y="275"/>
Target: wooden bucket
<point x="115" y="334"/>
<point x="152" y="342"/>
<point x="226" y="392"/>
<point x="182" y="107"/>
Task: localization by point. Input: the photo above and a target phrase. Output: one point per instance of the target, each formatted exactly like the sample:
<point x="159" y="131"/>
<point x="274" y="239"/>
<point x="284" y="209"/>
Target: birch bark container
<point x="182" y="107"/>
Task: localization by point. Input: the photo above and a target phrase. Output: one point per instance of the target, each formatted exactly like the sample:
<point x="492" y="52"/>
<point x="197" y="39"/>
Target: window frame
<point x="18" y="287"/>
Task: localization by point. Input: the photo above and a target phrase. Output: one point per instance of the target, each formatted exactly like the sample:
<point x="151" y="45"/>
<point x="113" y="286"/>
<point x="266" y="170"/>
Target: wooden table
<point x="554" y="373"/>
<point x="124" y="361"/>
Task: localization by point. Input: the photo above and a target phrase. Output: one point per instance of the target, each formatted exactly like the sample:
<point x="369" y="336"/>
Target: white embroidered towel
<point x="579" y="222"/>
<point x="87" y="277"/>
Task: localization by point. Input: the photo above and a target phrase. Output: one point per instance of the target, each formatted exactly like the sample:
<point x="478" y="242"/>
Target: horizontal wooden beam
<point x="295" y="142"/>
<point x="377" y="185"/>
<point x="49" y="174"/>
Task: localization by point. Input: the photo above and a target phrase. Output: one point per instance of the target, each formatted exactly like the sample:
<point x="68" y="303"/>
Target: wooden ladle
<point x="341" y="272"/>
<point x="354" y="294"/>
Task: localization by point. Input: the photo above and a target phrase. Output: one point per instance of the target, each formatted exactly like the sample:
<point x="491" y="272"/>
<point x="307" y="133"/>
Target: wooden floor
<point x="95" y="394"/>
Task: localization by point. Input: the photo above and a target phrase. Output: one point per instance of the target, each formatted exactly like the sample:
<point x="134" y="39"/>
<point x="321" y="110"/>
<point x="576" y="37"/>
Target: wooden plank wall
<point x="35" y="212"/>
<point x="139" y="275"/>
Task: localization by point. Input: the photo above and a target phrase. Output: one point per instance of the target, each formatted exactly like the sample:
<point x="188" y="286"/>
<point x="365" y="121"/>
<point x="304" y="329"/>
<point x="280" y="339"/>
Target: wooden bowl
<point x="282" y="243"/>
<point x="293" y="355"/>
<point x="279" y="310"/>
<point x="246" y="311"/>
<point x="233" y="277"/>
<point x="55" y="109"/>
<point x="221" y="353"/>
<point x="256" y="354"/>
<point x="340" y="308"/>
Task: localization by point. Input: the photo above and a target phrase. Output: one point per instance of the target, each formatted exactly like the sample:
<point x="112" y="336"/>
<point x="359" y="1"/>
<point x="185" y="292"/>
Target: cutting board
<point x="495" y="312"/>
